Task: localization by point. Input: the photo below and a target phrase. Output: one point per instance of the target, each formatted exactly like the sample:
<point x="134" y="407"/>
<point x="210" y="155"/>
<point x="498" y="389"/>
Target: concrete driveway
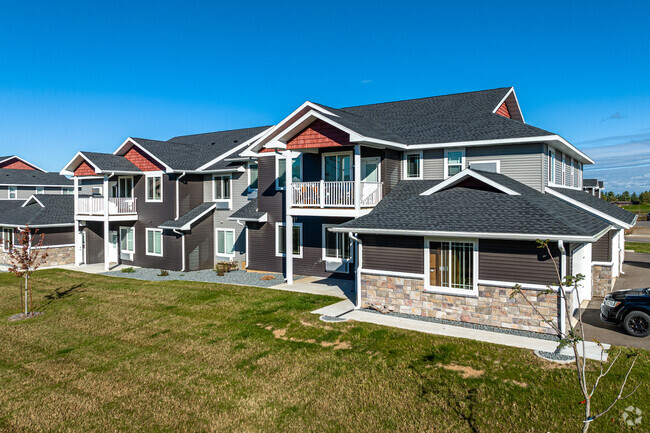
<point x="640" y="232"/>
<point x="637" y="274"/>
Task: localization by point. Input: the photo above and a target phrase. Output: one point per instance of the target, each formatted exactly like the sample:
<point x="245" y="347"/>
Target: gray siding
<point x="433" y="166"/>
<point x="94" y="242"/>
<point x="199" y="245"/>
<point x="393" y="253"/>
<point x="602" y="248"/>
<point x="25" y="192"/>
<point x="516" y="261"/>
<point x="522" y="162"/>
<point x="57" y="236"/>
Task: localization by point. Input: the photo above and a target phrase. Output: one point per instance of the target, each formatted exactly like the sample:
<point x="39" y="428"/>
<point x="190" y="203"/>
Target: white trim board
<point x="188" y="225"/>
<point x="449" y="182"/>
<point x="583" y="206"/>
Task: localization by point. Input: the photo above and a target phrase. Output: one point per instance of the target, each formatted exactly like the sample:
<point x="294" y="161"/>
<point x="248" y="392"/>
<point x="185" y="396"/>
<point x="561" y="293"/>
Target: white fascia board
<point x="33" y="185"/>
<point x="510" y="92"/>
<point x="465" y="174"/>
<point x="29" y="200"/>
<point x="503" y="100"/>
<point x="576" y="203"/>
<point x="518" y="106"/>
<point x="240" y="169"/>
<point x="264" y="218"/>
<point x="37" y="226"/>
<point x="25" y="162"/>
<point x="188" y="225"/>
<point x="244" y="145"/>
<point x="69" y="171"/>
<point x="133" y="142"/>
<point x="475" y="235"/>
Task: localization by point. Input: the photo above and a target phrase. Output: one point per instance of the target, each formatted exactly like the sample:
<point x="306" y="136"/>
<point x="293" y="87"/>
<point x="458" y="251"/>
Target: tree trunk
<point x="26" y="300"/>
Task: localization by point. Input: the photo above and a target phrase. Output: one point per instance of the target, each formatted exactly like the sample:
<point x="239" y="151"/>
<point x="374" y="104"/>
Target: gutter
<point x="563" y="318"/>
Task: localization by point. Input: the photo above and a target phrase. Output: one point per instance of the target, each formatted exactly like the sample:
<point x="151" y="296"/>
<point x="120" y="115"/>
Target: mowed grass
<point x="638" y="247"/>
<point x="113" y="354"/>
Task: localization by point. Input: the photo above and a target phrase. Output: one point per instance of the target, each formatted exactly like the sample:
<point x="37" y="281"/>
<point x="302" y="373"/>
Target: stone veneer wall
<point x="492" y="307"/>
<point x="602" y="280"/>
<point x="56" y="256"/>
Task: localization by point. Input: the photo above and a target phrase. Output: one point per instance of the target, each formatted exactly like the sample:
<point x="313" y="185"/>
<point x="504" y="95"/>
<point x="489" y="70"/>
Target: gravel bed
<point x="206" y="276"/>
<point x="552" y="356"/>
<point x="326" y="318"/>
<point x="521" y="333"/>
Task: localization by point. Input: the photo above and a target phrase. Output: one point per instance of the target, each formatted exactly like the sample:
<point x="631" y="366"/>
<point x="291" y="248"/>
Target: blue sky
<point x="86" y="75"/>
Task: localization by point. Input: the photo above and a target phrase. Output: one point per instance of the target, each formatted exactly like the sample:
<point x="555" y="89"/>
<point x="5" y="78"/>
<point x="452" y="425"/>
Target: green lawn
<point x="638" y="247"/>
<point x="638" y="208"/>
<point x="113" y="354"/>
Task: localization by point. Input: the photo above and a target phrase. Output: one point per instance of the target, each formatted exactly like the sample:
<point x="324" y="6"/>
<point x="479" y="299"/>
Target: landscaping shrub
<point x="127" y="270"/>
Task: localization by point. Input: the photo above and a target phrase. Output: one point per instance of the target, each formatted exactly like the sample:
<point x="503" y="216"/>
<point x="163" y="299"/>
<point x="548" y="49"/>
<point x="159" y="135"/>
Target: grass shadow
<point x="61" y="293"/>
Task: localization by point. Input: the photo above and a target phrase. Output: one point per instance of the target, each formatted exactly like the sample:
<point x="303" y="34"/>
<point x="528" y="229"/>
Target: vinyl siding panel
<point x="94" y="242"/>
<point x="199" y="245"/>
<point x="516" y="261"/>
<point x="393" y="253"/>
<point x="602" y="248"/>
<point x="391" y="169"/>
<point x="522" y="162"/>
<point x="57" y="236"/>
<point x="433" y="165"/>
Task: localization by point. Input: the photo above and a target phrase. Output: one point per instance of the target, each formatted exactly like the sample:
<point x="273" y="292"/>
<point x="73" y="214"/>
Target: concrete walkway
<point x="97" y="268"/>
<point x="343" y="289"/>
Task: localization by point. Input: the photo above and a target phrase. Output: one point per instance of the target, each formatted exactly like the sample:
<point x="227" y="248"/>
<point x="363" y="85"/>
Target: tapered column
<point x="107" y="240"/>
<point x="77" y="235"/>
<point x="288" y="220"/>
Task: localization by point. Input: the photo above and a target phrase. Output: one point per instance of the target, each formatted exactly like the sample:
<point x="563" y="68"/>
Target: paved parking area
<point x="637" y="274"/>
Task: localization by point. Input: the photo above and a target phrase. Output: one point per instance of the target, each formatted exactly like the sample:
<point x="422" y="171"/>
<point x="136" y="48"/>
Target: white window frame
<point x="451" y="290"/>
<point x="294" y="155"/>
<point x="66" y="188"/>
<point x="13" y="189"/>
<point x="550" y="166"/>
<point x="571" y="174"/>
<point x="491" y="161"/>
<point x="3" y="234"/>
<point x="277" y="237"/>
<point x="405" y="165"/>
<point x="250" y="188"/>
<point x="146" y="187"/>
<point x="580" y="173"/>
<point x="119" y="237"/>
<point x="216" y="243"/>
<point x="222" y="200"/>
<point x="563" y="169"/>
<point x="146" y="240"/>
<point x="324" y="249"/>
<point x="350" y="154"/>
<point x="120" y="193"/>
<point x="41" y="189"/>
<point x="446" y="160"/>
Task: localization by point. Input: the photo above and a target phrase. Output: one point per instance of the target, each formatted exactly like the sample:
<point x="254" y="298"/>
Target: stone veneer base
<point x="56" y="256"/>
<point x="602" y="280"/>
<point x="493" y="306"/>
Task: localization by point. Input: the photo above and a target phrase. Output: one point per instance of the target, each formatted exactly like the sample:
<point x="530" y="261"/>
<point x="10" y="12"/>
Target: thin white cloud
<point x="366" y="81"/>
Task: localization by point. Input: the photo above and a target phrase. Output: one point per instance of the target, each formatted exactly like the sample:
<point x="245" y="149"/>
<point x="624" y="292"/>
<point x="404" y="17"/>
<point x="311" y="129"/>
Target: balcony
<point x="338" y="194"/>
<point x="94" y="206"/>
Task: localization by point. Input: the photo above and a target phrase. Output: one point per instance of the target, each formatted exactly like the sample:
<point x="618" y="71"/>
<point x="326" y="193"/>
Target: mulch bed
<point x="22" y="316"/>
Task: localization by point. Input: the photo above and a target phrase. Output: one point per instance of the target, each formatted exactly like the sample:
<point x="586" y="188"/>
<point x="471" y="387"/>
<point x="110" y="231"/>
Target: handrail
<point x="334" y="194"/>
<point x="116" y="206"/>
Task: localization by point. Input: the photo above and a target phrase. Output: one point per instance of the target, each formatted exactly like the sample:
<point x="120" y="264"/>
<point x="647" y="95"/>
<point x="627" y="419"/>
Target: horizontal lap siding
<point x="516" y="261"/>
<point x="94" y="242"/>
<point x="602" y="248"/>
<point x="199" y="245"/>
<point x="522" y="162"/>
<point x="393" y="253"/>
<point x="433" y="164"/>
<point x="57" y="236"/>
<point x="312" y="262"/>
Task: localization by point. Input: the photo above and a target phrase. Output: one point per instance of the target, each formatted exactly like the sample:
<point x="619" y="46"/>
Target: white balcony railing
<point x="116" y="206"/>
<point x="334" y="194"/>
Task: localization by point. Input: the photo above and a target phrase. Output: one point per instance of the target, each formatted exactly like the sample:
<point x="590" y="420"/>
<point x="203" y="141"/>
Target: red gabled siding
<point x="16" y="164"/>
<point x="503" y="111"/>
<point x="143" y="161"/>
<point x="84" y="169"/>
<point x="319" y="134"/>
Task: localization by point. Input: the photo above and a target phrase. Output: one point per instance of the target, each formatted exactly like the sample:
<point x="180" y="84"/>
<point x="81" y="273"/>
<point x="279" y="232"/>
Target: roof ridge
<point x="217" y="132"/>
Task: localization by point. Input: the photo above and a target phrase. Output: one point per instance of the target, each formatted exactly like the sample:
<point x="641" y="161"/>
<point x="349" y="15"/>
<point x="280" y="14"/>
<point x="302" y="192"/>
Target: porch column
<point x="77" y="235"/>
<point x="357" y="178"/>
<point x="288" y="220"/>
<point x="107" y="241"/>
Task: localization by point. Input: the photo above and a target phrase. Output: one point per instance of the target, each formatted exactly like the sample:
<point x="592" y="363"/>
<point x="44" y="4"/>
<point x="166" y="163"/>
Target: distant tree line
<point x="643" y="198"/>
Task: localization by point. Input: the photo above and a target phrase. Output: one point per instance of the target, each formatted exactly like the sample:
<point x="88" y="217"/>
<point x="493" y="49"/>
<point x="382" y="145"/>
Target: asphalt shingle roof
<point x="597" y="203"/>
<point x="57" y="209"/>
<point x="10" y="176"/>
<point x="465" y="210"/>
<point x="439" y="119"/>
<point x="248" y="212"/>
<point x="110" y="162"/>
<point x="189" y="217"/>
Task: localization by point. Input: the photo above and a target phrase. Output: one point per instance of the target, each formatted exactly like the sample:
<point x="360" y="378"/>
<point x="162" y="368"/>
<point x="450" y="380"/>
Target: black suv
<point x="629" y="308"/>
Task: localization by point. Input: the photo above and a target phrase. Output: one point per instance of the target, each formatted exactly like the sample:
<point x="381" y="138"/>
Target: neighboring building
<point x="164" y="204"/>
<point x="593" y="186"/>
<point x="51" y="214"/>
<point x="20" y="179"/>
<point x="433" y="206"/>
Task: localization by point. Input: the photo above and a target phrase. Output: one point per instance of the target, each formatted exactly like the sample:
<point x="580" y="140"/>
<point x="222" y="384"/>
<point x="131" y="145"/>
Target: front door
<point x="82" y="253"/>
<point x="370" y="179"/>
<point x="113" y="247"/>
<point x="434" y="264"/>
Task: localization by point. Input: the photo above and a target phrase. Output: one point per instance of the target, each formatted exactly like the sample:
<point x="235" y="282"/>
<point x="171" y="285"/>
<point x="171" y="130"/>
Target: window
<point x="337" y="167"/>
<point x="154" y="242"/>
<point x="280" y="169"/>
<point x="336" y="245"/>
<point x="154" y="188"/>
<point x="7" y="239"/>
<point x="125" y="187"/>
<point x="40" y="190"/>
<point x="551" y="165"/>
<point x="67" y="191"/>
<point x="281" y="239"/>
<point x="454" y="162"/>
<point x="252" y="175"/>
<point x="221" y="188"/>
<point x="453" y="266"/>
<point x="413" y="166"/>
<point x="96" y="190"/>
<point x="127" y="240"/>
<point x="13" y="192"/>
<point x="225" y="242"/>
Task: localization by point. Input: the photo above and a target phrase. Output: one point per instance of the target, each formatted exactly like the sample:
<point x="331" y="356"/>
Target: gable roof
<point x="467" y="212"/>
<point x="10" y="176"/>
<point x="188" y="220"/>
<point x="595" y="205"/>
<point x="40" y="210"/>
<point x="7" y="158"/>
<point x="249" y="212"/>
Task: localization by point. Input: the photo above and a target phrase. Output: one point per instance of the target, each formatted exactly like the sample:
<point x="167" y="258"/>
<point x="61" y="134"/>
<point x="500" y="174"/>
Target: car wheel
<point x="637" y="323"/>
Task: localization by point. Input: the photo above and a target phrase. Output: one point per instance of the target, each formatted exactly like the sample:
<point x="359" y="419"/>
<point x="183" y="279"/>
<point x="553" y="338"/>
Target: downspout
<point x="358" y="270"/>
<point x="563" y="318"/>
<point x="182" y="235"/>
